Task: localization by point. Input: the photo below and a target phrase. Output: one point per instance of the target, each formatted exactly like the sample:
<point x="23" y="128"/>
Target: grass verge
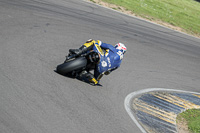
<point x="179" y="13"/>
<point x="192" y="118"/>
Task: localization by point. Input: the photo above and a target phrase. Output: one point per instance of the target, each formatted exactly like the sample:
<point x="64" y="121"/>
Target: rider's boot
<point x="79" y="51"/>
<point x="93" y="81"/>
<point x="84" y="75"/>
<point x="84" y="48"/>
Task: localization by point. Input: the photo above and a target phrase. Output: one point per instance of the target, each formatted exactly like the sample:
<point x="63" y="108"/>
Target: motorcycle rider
<point x="109" y="60"/>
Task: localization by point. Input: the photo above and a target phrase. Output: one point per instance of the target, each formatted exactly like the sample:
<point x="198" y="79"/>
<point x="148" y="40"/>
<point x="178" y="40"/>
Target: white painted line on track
<point x="127" y="104"/>
<point x="128" y="100"/>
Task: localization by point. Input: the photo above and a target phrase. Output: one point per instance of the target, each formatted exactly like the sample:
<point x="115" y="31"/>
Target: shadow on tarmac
<point x="78" y="78"/>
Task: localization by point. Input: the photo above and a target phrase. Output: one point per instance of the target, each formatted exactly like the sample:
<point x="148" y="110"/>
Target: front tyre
<point x="72" y="65"/>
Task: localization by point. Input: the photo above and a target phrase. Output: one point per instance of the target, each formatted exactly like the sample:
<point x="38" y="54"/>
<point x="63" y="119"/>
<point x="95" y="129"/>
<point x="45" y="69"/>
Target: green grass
<point x="192" y="117"/>
<point x="181" y="13"/>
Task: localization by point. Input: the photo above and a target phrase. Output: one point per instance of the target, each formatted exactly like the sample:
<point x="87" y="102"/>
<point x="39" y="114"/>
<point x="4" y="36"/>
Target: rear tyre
<point x="72" y="65"/>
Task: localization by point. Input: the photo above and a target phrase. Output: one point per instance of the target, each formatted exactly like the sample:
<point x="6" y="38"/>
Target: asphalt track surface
<point x="35" y="36"/>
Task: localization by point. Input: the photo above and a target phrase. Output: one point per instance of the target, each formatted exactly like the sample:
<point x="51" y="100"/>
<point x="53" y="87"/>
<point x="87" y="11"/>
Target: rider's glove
<point x="107" y="72"/>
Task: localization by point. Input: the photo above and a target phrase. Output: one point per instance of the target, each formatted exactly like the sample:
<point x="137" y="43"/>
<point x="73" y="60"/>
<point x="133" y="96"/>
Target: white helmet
<point x="121" y="47"/>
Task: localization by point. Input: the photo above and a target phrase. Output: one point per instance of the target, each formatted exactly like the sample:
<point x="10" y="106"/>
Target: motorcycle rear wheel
<point x="72" y="65"/>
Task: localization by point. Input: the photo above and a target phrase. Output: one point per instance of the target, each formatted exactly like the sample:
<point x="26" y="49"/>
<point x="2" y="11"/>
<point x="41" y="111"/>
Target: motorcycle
<point x="75" y="64"/>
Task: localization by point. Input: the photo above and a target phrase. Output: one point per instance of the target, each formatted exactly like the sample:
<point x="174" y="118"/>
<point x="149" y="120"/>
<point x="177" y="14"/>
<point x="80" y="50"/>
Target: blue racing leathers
<point x="110" y="59"/>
